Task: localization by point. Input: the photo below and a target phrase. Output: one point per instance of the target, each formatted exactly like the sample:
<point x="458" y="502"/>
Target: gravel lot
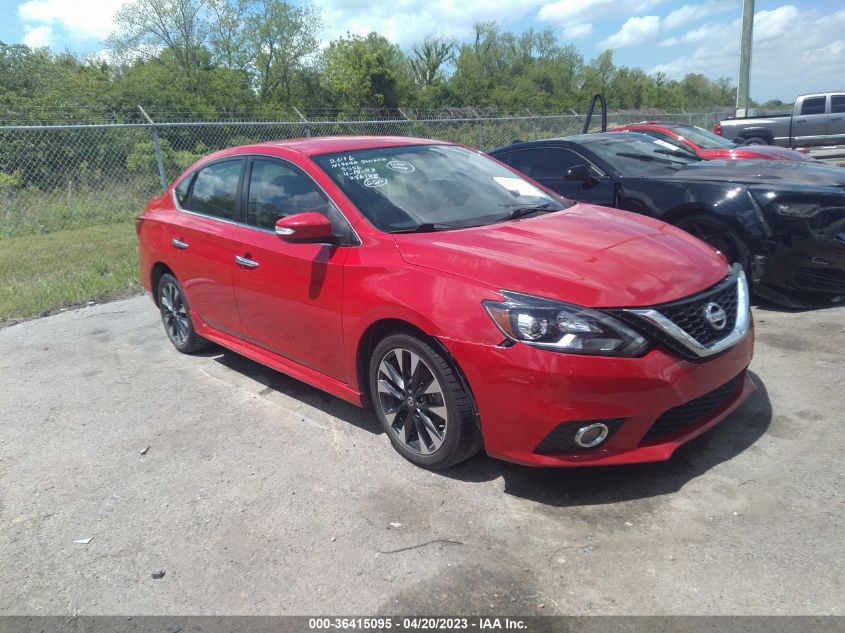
<point x="261" y="495"/>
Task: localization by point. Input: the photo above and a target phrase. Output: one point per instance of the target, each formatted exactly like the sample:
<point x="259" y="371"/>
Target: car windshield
<point x="637" y="155"/>
<point x="703" y="138"/>
<point x="433" y="187"/>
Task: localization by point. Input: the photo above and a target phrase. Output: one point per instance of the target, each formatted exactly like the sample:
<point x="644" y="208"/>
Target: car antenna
<point x="600" y="97"/>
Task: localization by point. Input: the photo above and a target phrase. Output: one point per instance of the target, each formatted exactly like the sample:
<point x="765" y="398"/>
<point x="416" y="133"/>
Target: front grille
<point x="688" y="314"/>
<point x="562" y="438"/>
<point x="827" y="278"/>
<point x="675" y="420"/>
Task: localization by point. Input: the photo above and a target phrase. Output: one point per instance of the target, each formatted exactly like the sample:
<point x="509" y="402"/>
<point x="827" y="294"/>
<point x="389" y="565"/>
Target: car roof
<point x="584" y="139"/>
<point x="313" y="146"/>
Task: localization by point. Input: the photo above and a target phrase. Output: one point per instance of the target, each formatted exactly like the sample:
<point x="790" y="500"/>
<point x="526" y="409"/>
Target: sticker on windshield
<point x="375" y="181"/>
<point x="400" y="165"/>
<point x="518" y="186"/>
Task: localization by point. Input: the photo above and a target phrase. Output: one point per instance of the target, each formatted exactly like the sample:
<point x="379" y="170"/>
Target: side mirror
<point x="305" y="228"/>
<point x="579" y="172"/>
<point x="738" y="140"/>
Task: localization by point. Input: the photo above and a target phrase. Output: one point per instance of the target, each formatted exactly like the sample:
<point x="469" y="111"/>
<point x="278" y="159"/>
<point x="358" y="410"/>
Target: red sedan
<point x="469" y="306"/>
<point x="710" y="146"/>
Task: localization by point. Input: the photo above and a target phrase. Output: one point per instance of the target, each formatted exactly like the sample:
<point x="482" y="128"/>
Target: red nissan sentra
<point x="468" y="305"/>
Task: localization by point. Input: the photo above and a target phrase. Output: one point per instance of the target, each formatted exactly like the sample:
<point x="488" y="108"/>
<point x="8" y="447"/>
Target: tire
<point x="422" y="404"/>
<point x="756" y="140"/>
<point x="720" y="235"/>
<point x="176" y="317"/>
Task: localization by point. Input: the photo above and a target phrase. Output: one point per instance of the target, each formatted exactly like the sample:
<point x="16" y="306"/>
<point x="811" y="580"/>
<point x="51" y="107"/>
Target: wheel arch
<point x="158" y="270"/>
<point x="384" y="327"/>
<point x="686" y="210"/>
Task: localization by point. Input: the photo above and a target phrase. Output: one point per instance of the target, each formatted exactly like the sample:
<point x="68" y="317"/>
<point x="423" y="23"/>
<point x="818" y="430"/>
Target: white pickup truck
<point x="818" y="119"/>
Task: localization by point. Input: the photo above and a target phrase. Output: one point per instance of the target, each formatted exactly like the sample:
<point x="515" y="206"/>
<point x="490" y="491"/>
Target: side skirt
<point x="280" y="363"/>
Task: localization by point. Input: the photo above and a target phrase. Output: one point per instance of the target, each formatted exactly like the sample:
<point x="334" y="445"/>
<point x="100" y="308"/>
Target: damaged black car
<point x="783" y="221"/>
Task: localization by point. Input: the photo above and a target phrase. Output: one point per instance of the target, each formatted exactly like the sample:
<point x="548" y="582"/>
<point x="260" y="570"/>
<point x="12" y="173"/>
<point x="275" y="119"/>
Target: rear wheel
<point x="176" y="318"/>
<point x="421" y="403"/>
<point x="719" y="235"/>
<point x="756" y="140"/>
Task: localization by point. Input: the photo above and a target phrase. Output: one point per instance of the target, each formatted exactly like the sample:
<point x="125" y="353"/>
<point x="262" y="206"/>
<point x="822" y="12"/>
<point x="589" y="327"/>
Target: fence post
<point x="304" y="120"/>
<point x="157" y="148"/>
<point x="533" y="124"/>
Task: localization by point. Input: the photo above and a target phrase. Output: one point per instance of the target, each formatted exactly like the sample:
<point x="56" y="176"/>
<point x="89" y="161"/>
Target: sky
<point x="799" y="46"/>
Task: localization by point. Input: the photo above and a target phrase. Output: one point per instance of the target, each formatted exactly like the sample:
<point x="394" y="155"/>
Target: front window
<point x="440" y="186"/>
<point x="637" y="155"/>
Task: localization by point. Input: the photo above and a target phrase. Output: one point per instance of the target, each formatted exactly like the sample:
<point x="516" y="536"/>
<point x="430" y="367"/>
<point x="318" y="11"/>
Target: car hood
<point x="587" y="255"/>
<point x="769" y="172"/>
<point x="755" y="152"/>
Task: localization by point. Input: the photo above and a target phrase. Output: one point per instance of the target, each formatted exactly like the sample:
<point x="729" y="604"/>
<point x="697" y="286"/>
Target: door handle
<point x="178" y="243"/>
<point x="839" y="118"/>
<point x="244" y="261"/>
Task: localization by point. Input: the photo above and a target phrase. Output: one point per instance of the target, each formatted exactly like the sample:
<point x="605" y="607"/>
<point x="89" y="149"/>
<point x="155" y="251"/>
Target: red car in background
<point x="708" y="145"/>
<point x="468" y="305"/>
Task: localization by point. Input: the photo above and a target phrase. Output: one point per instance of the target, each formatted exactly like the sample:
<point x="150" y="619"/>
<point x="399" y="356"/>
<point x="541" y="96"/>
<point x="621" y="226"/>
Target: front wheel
<point x="719" y="235"/>
<point x="421" y="403"/>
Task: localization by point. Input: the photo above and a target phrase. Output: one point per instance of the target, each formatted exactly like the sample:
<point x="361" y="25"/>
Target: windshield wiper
<point x="680" y="153"/>
<point x="521" y="212"/>
<point x="649" y="158"/>
<point x="430" y="227"/>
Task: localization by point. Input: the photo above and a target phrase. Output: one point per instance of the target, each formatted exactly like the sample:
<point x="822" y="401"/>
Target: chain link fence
<point x="59" y="177"/>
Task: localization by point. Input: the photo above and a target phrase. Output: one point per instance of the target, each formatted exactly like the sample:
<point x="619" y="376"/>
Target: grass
<point x="31" y="211"/>
<point x="44" y="272"/>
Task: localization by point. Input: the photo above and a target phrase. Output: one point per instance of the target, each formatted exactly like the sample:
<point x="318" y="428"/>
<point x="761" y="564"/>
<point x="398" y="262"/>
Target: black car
<point x="783" y="221"/>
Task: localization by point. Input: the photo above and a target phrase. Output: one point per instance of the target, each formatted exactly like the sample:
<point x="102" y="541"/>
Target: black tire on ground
<point x="176" y="317"/>
<point x="720" y="235"/>
<point x="756" y="140"/>
<point x="421" y="402"/>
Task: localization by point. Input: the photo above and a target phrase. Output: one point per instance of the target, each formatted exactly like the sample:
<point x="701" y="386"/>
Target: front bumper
<point x="809" y="259"/>
<point x="524" y="393"/>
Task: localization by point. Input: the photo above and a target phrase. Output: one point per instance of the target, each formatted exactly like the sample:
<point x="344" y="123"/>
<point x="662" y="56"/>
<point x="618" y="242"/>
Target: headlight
<point x="797" y="209"/>
<point x="563" y="327"/>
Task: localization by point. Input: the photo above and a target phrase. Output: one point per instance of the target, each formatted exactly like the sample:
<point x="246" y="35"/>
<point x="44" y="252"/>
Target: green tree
<point x="366" y="72"/>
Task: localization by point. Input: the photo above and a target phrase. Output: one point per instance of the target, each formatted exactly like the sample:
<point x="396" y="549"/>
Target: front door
<point x="548" y="166"/>
<point x="289" y="296"/>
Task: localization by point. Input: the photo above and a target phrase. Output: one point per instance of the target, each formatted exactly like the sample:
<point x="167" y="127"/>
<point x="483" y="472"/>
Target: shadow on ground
<point x="563" y="487"/>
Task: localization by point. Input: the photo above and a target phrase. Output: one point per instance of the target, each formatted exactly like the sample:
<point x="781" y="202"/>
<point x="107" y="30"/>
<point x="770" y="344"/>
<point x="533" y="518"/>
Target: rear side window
<point x="813" y="105"/>
<point x="545" y="162"/>
<point x="215" y="189"/>
<point x="837" y="103"/>
<point x="276" y="191"/>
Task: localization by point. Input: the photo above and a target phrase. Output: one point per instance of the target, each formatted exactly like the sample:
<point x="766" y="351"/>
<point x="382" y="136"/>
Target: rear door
<point x="548" y="166"/>
<point x="836" y="127"/>
<point x="810" y="125"/>
<point x="289" y="296"/>
<point x="200" y="241"/>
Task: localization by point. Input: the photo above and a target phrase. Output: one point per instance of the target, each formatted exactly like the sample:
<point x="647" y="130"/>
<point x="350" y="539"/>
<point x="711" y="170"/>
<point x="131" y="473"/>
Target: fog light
<point x="591" y="435"/>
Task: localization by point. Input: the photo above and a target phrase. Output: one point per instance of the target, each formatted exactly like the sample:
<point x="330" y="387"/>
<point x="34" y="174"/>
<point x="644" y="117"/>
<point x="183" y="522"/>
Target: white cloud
<point x="89" y="20"/>
<point x="36" y="37"/>
<point x="696" y="12"/>
<point x="407" y="21"/>
<point x="634" y="31"/>
<point x="782" y="65"/>
<point x="577" y="31"/>
<point x="579" y="11"/>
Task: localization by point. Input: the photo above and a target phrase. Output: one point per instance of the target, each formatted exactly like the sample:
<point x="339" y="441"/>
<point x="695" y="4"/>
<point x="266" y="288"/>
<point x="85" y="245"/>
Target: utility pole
<point x="742" y="89"/>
